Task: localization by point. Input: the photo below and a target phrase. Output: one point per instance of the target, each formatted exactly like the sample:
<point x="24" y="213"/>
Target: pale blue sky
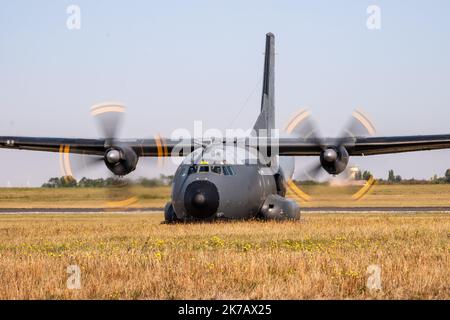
<point x="173" y="62"/>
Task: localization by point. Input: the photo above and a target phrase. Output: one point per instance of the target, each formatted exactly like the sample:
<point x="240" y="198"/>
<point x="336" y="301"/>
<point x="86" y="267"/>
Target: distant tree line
<point x="70" y="182"/>
<point x="365" y="175"/>
<point x="392" y="178"/>
<point x="163" y="180"/>
<point x="397" y="179"/>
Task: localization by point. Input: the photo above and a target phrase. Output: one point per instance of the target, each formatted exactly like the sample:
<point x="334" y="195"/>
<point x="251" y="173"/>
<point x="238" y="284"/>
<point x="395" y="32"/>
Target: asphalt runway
<point x="154" y="210"/>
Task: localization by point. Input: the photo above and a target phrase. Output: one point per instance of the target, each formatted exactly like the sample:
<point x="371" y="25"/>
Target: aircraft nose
<point x="201" y="199"/>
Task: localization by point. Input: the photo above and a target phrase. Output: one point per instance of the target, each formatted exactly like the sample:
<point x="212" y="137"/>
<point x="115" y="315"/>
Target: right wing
<point x="157" y="147"/>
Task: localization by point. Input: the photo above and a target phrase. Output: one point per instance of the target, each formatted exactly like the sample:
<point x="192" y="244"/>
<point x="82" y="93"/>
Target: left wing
<point x="362" y="146"/>
<point x="385" y="145"/>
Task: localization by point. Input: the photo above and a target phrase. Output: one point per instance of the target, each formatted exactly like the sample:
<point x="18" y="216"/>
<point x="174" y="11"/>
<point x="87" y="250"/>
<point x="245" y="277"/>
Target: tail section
<point x="266" y="119"/>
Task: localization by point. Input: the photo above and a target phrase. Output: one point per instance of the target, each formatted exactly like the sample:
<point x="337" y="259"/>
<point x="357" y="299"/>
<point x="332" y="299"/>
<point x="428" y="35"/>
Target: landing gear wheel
<point x="169" y="213"/>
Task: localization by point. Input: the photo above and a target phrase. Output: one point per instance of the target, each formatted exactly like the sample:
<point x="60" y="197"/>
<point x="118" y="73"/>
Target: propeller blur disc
<point x="109" y="116"/>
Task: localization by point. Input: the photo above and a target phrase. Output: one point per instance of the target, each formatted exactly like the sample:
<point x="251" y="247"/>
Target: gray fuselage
<point x="239" y="191"/>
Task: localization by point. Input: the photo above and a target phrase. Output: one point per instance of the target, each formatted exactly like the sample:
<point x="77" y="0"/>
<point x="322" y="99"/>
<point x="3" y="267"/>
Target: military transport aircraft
<point x="208" y="185"/>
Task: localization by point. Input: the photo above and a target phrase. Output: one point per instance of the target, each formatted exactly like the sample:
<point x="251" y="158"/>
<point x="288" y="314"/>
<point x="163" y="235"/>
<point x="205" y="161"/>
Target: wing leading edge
<point x="385" y="145"/>
<point x="158" y="147"/>
<point x="365" y="146"/>
<point x="161" y="147"/>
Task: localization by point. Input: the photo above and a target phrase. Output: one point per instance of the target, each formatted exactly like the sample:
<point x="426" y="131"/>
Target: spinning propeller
<point x="120" y="159"/>
<point x="334" y="157"/>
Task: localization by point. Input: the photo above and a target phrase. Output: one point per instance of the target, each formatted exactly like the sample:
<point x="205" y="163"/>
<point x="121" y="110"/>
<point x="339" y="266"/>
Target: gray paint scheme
<point x="246" y="194"/>
<point x="240" y="196"/>
<point x="249" y="192"/>
<point x="266" y="119"/>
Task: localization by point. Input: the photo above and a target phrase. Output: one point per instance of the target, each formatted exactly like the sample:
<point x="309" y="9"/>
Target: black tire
<point x="169" y="213"/>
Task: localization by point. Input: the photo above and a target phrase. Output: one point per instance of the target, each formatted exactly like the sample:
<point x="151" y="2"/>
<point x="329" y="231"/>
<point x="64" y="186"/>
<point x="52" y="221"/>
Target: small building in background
<point x="355" y="173"/>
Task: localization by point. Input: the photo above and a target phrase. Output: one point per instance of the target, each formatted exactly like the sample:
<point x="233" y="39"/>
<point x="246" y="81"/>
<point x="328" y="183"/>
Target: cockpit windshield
<point x="214" y="154"/>
<point x="225" y="170"/>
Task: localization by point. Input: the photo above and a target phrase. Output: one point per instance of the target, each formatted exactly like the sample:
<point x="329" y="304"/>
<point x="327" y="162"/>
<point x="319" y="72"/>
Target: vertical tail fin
<point x="266" y="119"/>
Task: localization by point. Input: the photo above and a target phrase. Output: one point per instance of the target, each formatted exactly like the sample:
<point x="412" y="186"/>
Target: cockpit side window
<point x="216" y="169"/>
<point x="183" y="171"/>
<point x="228" y="171"/>
<point x="192" y="169"/>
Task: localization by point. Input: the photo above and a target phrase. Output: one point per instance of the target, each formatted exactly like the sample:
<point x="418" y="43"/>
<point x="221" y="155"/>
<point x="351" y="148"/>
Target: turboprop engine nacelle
<point x="121" y="160"/>
<point x="334" y="159"/>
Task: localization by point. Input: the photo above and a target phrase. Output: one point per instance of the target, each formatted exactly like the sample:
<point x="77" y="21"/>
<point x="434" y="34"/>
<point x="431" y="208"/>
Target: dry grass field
<point x="379" y="196"/>
<point x="77" y="197"/>
<point x="134" y="256"/>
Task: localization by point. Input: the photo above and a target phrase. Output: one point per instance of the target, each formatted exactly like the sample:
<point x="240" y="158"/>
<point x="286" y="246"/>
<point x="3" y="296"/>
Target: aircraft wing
<point x="82" y="146"/>
<point x="360" y="146"/>
<point x="363" y="146"/>
<point x="384" y="145"/>
<point x="143" y="147"/>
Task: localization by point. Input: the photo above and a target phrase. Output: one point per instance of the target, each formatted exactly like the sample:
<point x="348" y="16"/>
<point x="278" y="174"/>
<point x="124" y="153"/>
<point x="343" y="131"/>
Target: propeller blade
<point x="287" y="165"/>
<point x="359" y="125"/>
<point x="85" y="162"/>
<point x="109" y="118"/>
<point x="123" y="192"/>
<point x="303" y="126"/>
<point x="120" y="192"/>
<point x="311" y="173"/>
<point x="74" y="164"/>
